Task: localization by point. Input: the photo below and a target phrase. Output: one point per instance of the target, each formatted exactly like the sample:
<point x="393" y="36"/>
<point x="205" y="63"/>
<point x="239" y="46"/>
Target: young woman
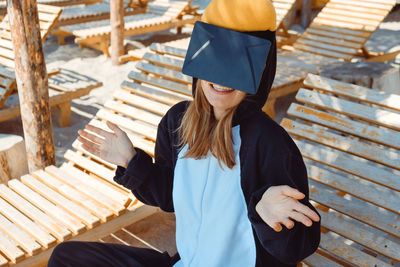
<point x="234" y="178"/>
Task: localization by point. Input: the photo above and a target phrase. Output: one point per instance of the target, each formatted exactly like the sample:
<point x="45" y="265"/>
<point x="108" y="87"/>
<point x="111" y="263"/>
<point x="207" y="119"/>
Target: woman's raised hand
<point x="280" y="205"/>
<point x="113" y="147"/>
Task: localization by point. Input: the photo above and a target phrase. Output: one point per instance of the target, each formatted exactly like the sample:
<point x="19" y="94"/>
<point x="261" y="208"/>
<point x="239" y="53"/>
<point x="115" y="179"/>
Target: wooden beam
<point x="117" y="30"/>
<point x="306" y="13"/>
<point x="32" y="81"/>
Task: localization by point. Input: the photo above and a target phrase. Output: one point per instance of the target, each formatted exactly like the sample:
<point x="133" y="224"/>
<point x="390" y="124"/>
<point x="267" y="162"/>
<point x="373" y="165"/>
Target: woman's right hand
<point x="113" y="147"/>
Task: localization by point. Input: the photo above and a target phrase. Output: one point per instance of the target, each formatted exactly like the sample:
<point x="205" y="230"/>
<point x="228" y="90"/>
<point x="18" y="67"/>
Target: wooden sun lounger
<point x="349" y="137"/>
<point x="285" y="14"/>
<point x="158" y="17"/>
<point x="100" y="11"/>
<point x="48" y="16"/>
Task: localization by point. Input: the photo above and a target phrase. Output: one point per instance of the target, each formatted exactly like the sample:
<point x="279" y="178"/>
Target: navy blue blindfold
<point x="226" y="57"/>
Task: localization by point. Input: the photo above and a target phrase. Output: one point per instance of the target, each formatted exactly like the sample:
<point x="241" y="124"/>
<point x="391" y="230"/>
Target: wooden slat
<point x="35" y="230"/>
<point x="353" y="91"/>
<point x="335" y="41"/>
<point x="341" y="12"/>
<point x="72" y="207"/>
<point x="372" y="23"/>
<point x="360" y="210"/>
<point x="384" y="6"/>
<point x="142" y="102"/>
<point x="164" y="61"/>
<point x="379" y="135"/>
<point x="169" y="50"/>
<point x="337" y="246"/>
<point x="363" y="10"/>
<point x="3" y="261"/>
<point x="368" y="191"/>
<point x="340" y="36"/>
<point x="55" y="228"/>
<point x="341" y="24"/>
<point x="76" y="183"/>
<point x="23" y="239"/>
<point x="316" y="260"/>
<point x="158" y="94"/>
<point x="170" y="85"/>
<point x="98" y="209"/>
<point x="141" y="128"/>
<point x="334" y="48"/>
<point x="102" y="186"/>
<point x="350" y="164"/>
<point x="73" y="224"/>
<point x="168" y="74"/>
<point x="135" y="113"/>
<point x="371" y="114"/>
<point x="10" y="249"/>
<point x="373" y="152"/>
<point x="341" y="30"/>
<point x="321" y="51"/>
<point x="366" y="235"/>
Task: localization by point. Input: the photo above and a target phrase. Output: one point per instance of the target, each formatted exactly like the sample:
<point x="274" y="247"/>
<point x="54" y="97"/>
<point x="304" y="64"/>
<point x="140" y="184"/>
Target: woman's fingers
<point x="291" y="192"/>
<point x="91" y="137"/>
<point x="301" y="218"/>
<point x="91" y="148"/>
<point x="113" y="127"/>
<point x="306" y="211"/>
<point x="288" y="223"/>
<point x="98" y="131"/>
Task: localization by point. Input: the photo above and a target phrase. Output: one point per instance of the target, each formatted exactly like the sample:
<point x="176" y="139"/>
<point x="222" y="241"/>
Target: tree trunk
<point x="32" y="82"/>
<point x="117" y="30"/>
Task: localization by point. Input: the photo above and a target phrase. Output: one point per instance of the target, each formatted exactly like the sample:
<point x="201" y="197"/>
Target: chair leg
<point x="63" y="114"/>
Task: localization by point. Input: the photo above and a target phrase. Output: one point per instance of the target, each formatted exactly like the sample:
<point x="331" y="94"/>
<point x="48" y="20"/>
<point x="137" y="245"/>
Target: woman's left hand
<point x="280" y="205"/>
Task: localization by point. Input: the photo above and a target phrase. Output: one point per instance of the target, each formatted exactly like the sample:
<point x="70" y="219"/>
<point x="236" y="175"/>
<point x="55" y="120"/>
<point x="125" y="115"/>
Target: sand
<point x="92" y="63"/>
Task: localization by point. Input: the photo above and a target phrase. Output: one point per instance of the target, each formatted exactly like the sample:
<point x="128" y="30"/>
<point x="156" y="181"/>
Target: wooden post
<point x="32" y="82"/>
<point x="306" y="13"/>
<point x="117" y="30"/>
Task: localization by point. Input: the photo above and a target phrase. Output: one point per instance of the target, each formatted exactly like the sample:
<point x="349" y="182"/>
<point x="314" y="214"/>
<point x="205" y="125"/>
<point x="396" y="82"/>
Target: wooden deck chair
<point x="160" y="15"/>
<point x="339" y="32"/>
<point x="48" y="16"/>
<point x="100" y="11"/>
<point x="62" y="3"/>
<point x="285" y="15"/>
<point x="349" y="137"/>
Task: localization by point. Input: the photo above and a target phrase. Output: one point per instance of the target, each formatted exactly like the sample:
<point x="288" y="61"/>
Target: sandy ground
<point x="92" y="63"/>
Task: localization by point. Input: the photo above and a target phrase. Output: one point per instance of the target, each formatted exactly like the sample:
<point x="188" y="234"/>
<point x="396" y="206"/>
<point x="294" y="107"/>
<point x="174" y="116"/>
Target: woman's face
<point x="221" y="97"/>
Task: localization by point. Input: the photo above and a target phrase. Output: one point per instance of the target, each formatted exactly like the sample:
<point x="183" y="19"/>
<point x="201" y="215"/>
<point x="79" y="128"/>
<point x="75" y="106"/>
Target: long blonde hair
<point x="204" y="133"/>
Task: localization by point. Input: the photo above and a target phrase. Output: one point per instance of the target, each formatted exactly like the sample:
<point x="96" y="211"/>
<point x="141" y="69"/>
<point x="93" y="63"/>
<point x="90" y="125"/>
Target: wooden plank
<point x="73" y="224"/>
<point x="90" y="166"/>
<point x="337" y="246"/>
<point x="341" y="24"/>
<point x="341" y="12"/>
<point x="101" y="185"/>
<point x="316" y="260"/>
<point x="369" y="151"/>
<point x="383" y="136"/>
<point x="370" y="114"/>
<point x="366" y="235"/>
<point x="331" y="41"/>
<point x="324" y="46"/>
<point x="169" y="85"/>
<point x="372" y="23"/>
<point x="362" y="10"/>
<point x="3" y="261"/>
<point x="164" y="61"/>
<point x="169" y="50"/>
<point x="55" y="228"/>
<point x="142" y="102"/>
<point x="341" y="30"/>
<point x="76" y="183"/>
<point x="362" y="189"/>
<point x="35" y="230"/>
<point x="350" y="164"/>
<point x="72" y="207"/>
<point x="358" y="209"/>
<point x="10" y="249"/>
<point x="146" y="130"/>
<point x="158" y="94"/>
<point x="67" y="191"/>
<point x="384" y="6"/>
<point x="23" y="239"/>
<point x="320" y="51"/>
<point x="168" y="74"/>
<point x="135" y="113"/>
<point x="345" y="37"/>
<point x="353" y="91"/>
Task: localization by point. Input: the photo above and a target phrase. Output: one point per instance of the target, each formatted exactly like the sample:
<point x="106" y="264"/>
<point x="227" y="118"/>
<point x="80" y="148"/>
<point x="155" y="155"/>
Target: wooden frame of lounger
<point x="100" y="38"/>
<point x="62" y="3"/>
<point x="285" y="16"/>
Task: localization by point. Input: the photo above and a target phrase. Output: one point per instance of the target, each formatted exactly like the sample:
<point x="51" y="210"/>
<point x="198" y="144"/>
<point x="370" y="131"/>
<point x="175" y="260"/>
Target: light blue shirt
<point x="212" y="227"/>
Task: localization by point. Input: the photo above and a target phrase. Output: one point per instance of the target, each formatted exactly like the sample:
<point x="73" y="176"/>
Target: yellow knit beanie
<point x="241" y="15"/>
